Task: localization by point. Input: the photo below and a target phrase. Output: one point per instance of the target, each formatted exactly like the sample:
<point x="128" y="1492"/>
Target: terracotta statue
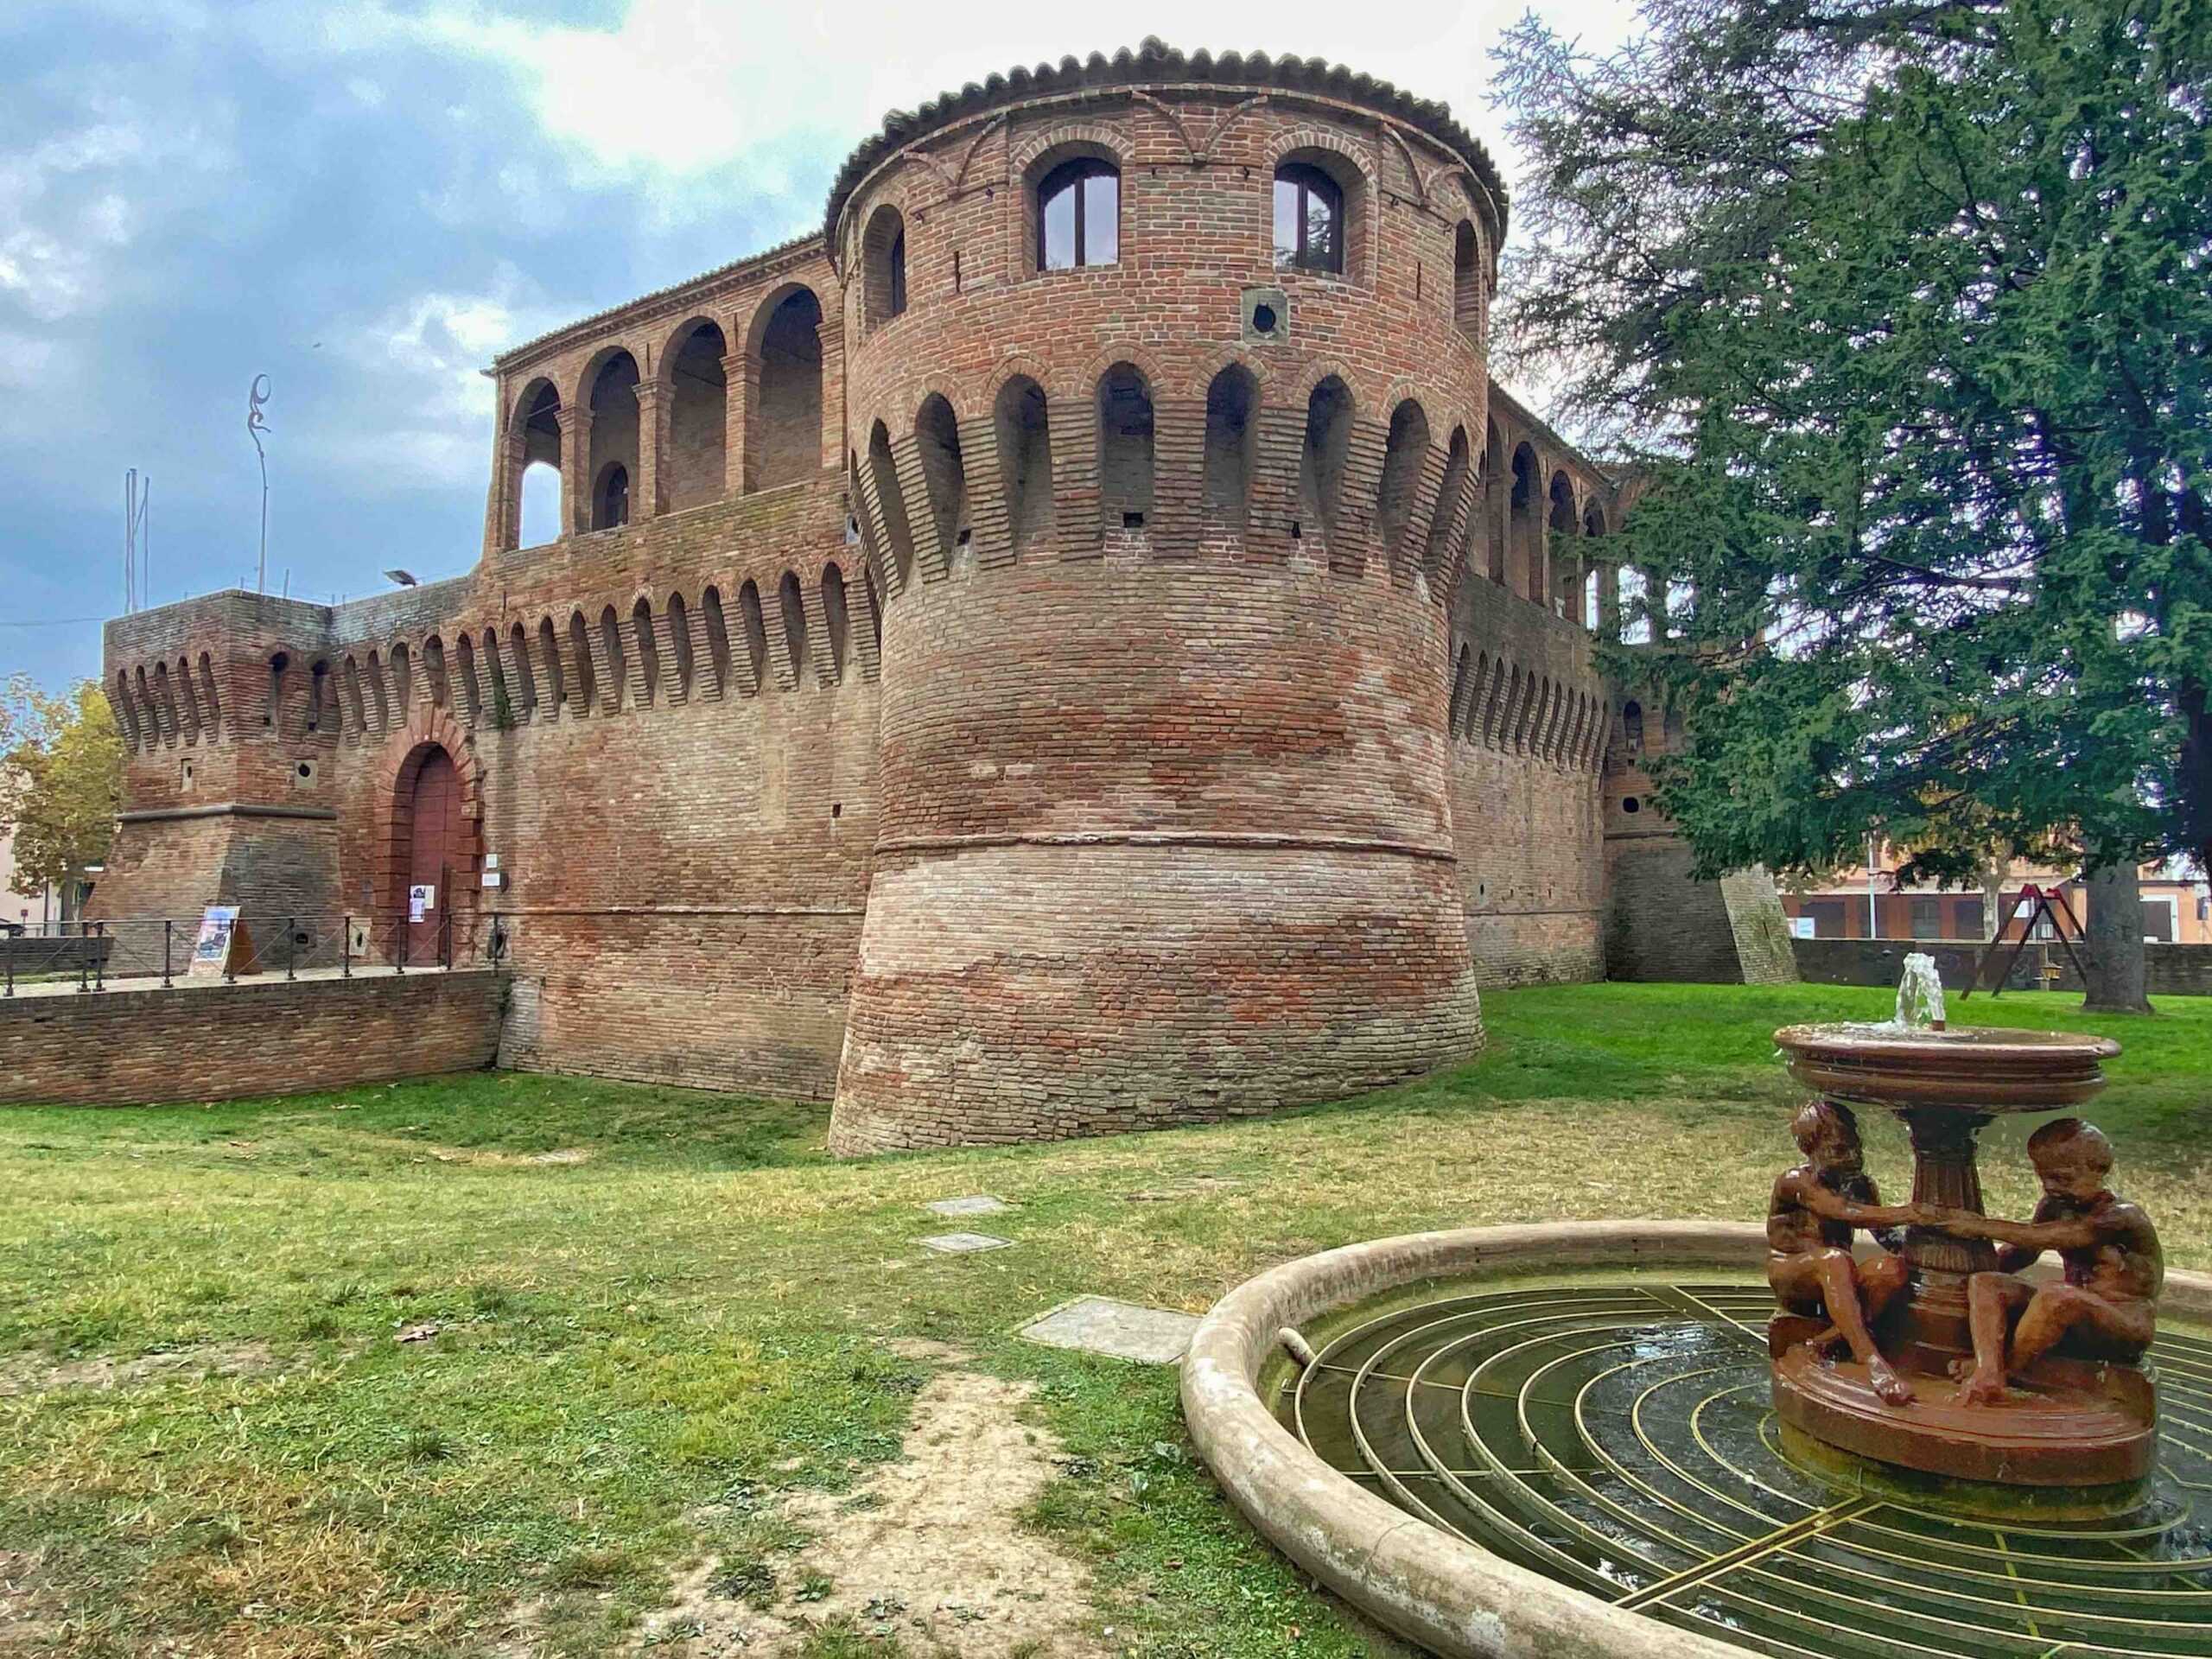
<point x="1815" y="1210"/>
<point x="2107" y="1301"/>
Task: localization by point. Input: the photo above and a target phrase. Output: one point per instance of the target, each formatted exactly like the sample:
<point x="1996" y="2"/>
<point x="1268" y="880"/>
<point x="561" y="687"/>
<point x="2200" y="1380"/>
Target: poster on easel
<point x="224" y="945"/>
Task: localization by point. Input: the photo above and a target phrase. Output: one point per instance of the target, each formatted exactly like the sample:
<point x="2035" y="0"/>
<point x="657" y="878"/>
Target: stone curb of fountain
<point x="1454" y="1597"/>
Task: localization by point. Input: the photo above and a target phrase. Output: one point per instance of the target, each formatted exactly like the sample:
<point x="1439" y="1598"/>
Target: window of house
<point x="1827" y="916"/>
<point x="1927" y="918"/>
<point x="1309" y="218"/>
<point x="1078" y="215"/>
<point x="2158" y="920"/>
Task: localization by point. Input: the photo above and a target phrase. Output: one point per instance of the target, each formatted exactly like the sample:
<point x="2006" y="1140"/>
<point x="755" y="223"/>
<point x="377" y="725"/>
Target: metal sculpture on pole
<point x="256" y="425"/>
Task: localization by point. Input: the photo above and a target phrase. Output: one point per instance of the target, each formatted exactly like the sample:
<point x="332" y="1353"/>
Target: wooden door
<point x="433" y="852"/>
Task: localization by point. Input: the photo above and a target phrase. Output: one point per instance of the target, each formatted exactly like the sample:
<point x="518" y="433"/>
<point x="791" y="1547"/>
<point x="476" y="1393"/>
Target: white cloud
<point x="678" y="89"/>
<point x="419" y="413"/>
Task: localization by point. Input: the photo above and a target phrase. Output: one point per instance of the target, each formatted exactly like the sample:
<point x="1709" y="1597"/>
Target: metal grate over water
<point x="1618" y="1437"/>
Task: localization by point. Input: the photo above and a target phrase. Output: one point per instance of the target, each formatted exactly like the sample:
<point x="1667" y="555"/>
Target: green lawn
<point x="647" y="1338"/>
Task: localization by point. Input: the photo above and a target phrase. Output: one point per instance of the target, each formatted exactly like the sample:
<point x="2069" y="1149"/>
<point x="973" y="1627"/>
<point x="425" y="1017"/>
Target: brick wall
<point x="1527" y="720"/>
<point x="1091" y="783"/>
<point x="265" y="1036"/>
<point x="2170" y="970"/>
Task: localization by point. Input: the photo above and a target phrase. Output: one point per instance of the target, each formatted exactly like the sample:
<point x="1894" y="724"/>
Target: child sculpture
<point x="1815" y="1210"/>
<point x="2113" y="1266"/>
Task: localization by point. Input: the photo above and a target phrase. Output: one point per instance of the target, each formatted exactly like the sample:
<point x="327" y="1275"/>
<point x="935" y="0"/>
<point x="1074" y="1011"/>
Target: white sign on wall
<point x="421" y="900"/>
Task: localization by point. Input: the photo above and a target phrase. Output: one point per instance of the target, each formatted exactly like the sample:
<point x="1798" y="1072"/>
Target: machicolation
<point x="1080" y="643"/>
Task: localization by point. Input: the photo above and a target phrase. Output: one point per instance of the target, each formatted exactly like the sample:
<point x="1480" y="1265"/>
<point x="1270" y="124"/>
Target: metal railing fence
<point x="135" y="951"/>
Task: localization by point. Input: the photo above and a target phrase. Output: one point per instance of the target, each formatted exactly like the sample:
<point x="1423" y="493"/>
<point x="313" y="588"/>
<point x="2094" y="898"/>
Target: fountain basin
<point x="1983" y="1069"/>
<point x="1460" y="1598"/>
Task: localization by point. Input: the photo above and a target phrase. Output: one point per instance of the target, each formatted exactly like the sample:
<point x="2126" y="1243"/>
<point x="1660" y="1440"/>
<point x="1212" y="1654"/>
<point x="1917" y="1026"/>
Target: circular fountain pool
<point x="1561" y="1440"/>
<point x="1618" y="1436"/>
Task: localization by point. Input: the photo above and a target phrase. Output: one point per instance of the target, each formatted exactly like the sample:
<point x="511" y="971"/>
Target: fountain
<point x="2078" y="1414"/>
<point x="1585" y="1440"/>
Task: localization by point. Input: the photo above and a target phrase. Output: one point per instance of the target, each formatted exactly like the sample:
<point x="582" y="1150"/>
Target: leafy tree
<point x="60" y="781"/>
<point x="1907" y="308"/>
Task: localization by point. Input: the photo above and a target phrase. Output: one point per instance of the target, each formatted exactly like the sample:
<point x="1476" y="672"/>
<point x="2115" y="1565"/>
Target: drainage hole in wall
<point x="1263" y="319"/>
<point x="1629" y="803"/>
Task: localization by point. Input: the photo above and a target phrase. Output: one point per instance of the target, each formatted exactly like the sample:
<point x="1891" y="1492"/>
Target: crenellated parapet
<point x="1081" y="642"/>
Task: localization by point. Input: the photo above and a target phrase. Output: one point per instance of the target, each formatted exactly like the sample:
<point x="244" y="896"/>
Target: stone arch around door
<point x="430" y="812"/>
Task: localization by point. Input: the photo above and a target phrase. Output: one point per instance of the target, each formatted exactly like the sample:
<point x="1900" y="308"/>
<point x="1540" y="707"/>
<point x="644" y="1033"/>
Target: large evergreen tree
<point x="1908" y="308"/>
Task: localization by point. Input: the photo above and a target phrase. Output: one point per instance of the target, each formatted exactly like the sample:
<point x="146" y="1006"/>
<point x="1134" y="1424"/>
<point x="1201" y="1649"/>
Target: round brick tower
<point x="1165" y="387"/>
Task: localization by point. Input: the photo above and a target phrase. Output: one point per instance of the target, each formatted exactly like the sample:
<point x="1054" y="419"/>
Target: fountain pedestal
<point x="2073" y="1419"/>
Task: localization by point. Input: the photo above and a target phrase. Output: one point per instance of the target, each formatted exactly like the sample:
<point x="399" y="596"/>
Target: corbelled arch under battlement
<point x="975" y="635"/>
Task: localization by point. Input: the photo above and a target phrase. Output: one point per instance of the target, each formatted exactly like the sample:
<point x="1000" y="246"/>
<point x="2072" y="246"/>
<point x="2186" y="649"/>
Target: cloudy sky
<point x="368" y="202"/>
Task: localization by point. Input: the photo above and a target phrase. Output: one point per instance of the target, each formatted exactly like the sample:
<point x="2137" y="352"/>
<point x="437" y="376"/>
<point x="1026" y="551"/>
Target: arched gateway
<point x="431" y="839"/>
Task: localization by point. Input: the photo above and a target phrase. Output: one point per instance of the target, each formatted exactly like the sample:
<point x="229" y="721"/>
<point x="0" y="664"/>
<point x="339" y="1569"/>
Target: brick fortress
<point x="1081" y="642"/>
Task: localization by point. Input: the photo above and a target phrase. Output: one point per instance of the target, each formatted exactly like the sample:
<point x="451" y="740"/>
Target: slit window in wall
<point x="835" y="618"/>
<point x="1450" y="494"/>
<point x="1404" y="454"/>
<point x="1078" y="215"/>
<point x="503" y="702"/>
<point x="525" y="681"/>
<point x="710" y="608"/>
<point x="465" y="664"/>
<point x="873" y="590"/>
<point x="1468" y="281"/>
<point x="190" y="701"/>
<point x="883" y="263"/>
<point x="756" y="635"/>
<point x="883" y="470"/>
<point x="581" y="697"/>
<point x="126" y="711"/>
<point x="349" y="673"/>
<point x="1328" y="441"/>
<point x="1632" y="726"/>
<point x="319" y="708"/>
<point x="792" y="603"/>
<point x="380" y="692"/>
<point x="1025" y="446"/>
<point x="434" y="669"/>
<point x="944" y="475"/>
<point x="1309" y="219"/>
<point x="610" y="641"/>
<point x="273" y="717"/>
<point x="1125" y="457"/>
<point x="1232" y="398"/>
<point x="641" y="626"/>
<point x="185" y="776"/>
<point x="549" y="651"/>
<point x="403" y="679"/>
<point x="679" y="641"/>
<point x="207" y="685"/>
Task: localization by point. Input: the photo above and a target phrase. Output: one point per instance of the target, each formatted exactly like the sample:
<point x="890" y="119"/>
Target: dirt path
<point x="930" y="1550"/>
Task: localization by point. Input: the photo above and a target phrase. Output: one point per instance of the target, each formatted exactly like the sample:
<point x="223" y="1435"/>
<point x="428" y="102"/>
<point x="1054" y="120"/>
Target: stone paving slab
<point x="973" y="1204"/>
<point x="1099" y="1324"/>
<point x="964" y="1243"/>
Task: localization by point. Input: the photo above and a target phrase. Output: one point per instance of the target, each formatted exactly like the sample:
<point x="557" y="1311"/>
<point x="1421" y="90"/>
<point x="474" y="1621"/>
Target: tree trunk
<point x="2114" y="961"/>
<point x="1994" y="876"/>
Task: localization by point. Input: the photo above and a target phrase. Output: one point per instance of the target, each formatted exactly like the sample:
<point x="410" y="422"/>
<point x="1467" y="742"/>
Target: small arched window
<point x="1309" y="218"/>
<point x="883" y="259"/>
<point x="1080" y="215"/>
<point x="614" y="506"/>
